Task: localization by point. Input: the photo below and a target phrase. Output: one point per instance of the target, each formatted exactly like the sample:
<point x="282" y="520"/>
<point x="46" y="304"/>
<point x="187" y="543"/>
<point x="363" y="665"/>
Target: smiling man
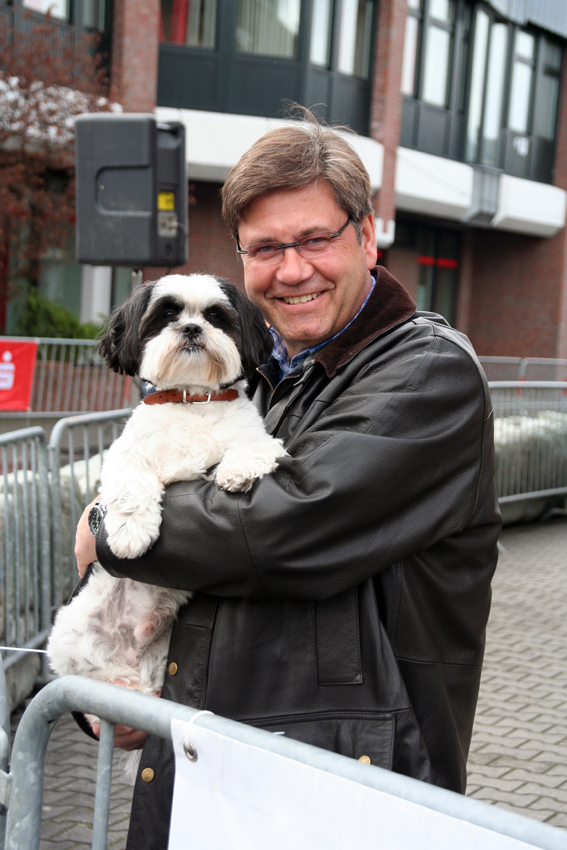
<point x="343" y="601"/>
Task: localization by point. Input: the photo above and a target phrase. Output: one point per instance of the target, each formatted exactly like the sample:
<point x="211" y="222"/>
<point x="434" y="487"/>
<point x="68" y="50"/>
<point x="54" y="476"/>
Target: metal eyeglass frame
<point x="297" y="244"/>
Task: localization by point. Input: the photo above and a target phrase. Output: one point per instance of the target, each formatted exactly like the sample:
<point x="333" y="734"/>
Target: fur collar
<point x="389" y="304"/>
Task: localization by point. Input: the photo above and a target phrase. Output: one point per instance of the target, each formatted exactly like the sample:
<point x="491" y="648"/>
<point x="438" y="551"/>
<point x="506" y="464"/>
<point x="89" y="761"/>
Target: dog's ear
<point x="121" y="345"/>
<point x="256" y="341"/>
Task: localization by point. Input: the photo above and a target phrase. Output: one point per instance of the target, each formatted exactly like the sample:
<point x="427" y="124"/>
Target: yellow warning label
<point x="166" y="201"/>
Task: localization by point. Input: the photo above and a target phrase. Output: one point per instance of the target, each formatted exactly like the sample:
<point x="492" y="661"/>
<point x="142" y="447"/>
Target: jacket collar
<point x="389" y="305"/>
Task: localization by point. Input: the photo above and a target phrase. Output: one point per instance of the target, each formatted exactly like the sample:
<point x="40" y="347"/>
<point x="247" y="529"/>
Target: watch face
<point x="96" y="515"/>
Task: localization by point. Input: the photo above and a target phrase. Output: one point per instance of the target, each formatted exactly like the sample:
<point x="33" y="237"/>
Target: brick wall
<point x="386" y="104"/>
<point x="517" y="284"/>
<point x="135" y="44"/>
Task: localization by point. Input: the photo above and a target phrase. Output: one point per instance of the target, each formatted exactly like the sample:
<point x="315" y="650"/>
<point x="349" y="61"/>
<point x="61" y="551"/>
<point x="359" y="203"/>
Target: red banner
<point x="17" y="365"/>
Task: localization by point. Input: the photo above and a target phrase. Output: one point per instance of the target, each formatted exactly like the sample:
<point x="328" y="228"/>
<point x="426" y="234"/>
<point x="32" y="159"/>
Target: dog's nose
<point x="192" y="330"/>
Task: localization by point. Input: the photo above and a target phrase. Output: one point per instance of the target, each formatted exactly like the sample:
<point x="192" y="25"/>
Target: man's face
<point x="335" y="283"/>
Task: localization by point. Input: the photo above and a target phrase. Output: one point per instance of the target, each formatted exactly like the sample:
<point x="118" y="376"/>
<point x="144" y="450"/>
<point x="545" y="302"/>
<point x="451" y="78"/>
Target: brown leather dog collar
<point x="177" y="396"/>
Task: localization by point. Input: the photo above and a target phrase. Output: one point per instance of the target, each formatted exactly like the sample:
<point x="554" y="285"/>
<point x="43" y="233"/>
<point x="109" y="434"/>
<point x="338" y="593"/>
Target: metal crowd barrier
<point x="71" y="377"/>
<point x="25" y="525"/>
<point x="530" y="424"/>
<point x="76" y="451"/>
<point x="524" y="368"/>
<point x="21" y="789"/>
<point x="501" y="368"/>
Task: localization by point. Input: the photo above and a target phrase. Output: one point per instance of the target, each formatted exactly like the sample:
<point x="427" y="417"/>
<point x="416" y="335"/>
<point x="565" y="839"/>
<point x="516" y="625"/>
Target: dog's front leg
<point x="242" y="464"/>
<point x="133" y="517"/>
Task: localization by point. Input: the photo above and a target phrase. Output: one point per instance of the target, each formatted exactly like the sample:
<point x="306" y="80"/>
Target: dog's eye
<point x="168" y="314"/>
<point x="214" y="316"/>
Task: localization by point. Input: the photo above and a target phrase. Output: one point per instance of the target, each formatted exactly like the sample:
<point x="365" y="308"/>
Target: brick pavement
<point x="518" y="756"/>
<point x="519" y="749"/>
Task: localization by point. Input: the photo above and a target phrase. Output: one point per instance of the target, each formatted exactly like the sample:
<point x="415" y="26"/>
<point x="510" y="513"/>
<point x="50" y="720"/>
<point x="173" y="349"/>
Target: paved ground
<point x="519" y="750"/>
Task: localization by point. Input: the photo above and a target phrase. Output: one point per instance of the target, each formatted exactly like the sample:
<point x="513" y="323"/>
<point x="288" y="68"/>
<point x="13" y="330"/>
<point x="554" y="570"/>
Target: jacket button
<point x="172" y="668"/>
<point x="148" y="774"/>
<point x="365" y="759"/>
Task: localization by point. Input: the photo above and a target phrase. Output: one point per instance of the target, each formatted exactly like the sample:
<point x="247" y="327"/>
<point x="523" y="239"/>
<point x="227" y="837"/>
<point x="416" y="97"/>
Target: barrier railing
<point x="530" y="425"/>
<point x="21" y="790"/>
<point x="76" y="450"/>
<point x="501" y="368"/>
<point x="71" y="377"/>
<point x="25" y="615"/>
<point x="524" y="368"/>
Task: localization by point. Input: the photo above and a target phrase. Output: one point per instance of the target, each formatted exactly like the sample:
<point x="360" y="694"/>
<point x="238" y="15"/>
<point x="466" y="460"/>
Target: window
<point x="93" y="13"/>
<point x="411" y="48"/>
<point x="190" y="22"/>
<point x="438" y="49"/>
<point x="320" y="50"/>
<point x="479" y="88"/>
<point x="487" y="90"/>
<point x="522" y="82"/>
<point x="429" y="258"/>
<point x="264" y="54"/>
<point x="355" y="37"/>
<point x="546" y="101"/>
<point x="56" y="8"/>
<point x="268" y="27"/>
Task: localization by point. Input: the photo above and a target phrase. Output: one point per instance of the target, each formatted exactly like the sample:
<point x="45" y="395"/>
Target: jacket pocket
<point x="351" y="734"/>
<point x="337" y="638"/>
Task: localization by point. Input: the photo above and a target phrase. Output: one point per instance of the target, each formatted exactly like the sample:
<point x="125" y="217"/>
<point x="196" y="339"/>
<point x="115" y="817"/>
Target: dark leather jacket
<point x="344" y="600"/>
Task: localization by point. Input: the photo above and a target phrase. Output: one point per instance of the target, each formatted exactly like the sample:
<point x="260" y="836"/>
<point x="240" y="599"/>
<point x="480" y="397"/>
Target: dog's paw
<point x="242" y="465"/>
<point x="235" y="480"/>
<point x="130" y="535"/>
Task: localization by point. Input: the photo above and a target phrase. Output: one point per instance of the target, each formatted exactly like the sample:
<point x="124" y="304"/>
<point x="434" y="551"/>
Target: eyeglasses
<point x="310" y="247"/>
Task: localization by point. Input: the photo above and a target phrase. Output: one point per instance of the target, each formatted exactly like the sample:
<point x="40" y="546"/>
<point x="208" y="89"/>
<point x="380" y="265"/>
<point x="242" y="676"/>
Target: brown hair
<point x="294" y="156"/>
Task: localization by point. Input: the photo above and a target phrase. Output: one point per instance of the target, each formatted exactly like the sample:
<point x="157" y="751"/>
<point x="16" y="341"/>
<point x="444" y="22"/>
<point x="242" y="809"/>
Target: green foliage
<point x="40" y="316"/>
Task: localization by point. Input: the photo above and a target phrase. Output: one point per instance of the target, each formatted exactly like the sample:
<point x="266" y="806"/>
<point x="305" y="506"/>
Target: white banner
<point x="238" y="797"/>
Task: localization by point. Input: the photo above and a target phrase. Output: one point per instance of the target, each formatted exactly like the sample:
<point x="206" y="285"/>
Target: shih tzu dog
<point x="196" y="339"/>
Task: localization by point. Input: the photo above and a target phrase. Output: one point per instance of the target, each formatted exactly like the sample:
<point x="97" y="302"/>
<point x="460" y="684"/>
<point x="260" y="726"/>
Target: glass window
<point x="546" y="104"/>
<point x="524" y="45"/>
<point x="437" y="63"/>
<point x="546" y="108"/>
<point x="93" y="14"/>
<point x="438" y="271"/>
<point x="56" y="8"/>
<point x="191" y="22"/>
<point x="494" y="94"/>
<point x="443" y="10"/>
<point x="522" y="76"/>
<point x="321" y="32"/>
<point x="551" y="55"/>
<point x="463" y="59"/>
<point x="201" y="23"/>
<point x="477" y="84"/>
<point x="520" y="98"/>
<point x="438" y="50"/>
<point x="409" y="66"/>
<point x="355" y="38"/>
<point x="268" y="27"/>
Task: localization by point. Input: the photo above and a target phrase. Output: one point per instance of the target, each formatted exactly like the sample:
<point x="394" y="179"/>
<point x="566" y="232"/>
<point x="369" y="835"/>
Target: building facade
<point x="461" y="111"/>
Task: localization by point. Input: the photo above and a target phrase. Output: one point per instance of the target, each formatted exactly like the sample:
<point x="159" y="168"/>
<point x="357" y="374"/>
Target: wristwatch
<point x="96" y="516"/>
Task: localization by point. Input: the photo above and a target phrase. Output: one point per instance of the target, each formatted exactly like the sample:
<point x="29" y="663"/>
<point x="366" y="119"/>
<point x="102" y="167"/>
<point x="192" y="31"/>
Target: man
<point x="344" y="599"/>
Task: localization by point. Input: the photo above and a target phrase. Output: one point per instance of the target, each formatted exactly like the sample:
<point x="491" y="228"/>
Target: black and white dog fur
<point x="195" y="333"/>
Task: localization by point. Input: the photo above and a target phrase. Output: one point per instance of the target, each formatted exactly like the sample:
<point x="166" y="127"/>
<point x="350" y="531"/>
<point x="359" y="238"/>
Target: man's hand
<point x="125" y="737"/>
<point x="85" y="544"/>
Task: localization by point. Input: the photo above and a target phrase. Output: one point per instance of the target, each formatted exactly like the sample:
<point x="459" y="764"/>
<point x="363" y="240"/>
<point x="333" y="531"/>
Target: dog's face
<point x="194" y="331"/>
